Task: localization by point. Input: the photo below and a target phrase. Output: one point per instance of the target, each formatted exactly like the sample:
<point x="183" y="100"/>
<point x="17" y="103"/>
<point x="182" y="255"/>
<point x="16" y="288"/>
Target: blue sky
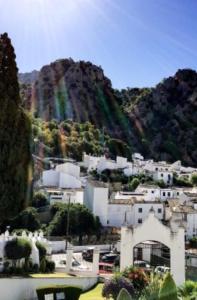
<point x="137" y="42"/>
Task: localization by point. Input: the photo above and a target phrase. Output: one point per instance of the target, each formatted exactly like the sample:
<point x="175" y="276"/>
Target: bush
<point x="39" y="200"/>
<point x="193" y="242"/>
<point x="43" y="265"/>
<point x="113" y="286"/>
<point x="133" y="184"/>
<point x="188" y="290"/>
<point x="50" y="266"/>
<point x="151" y="291"/>
<point x="70" y="292"/>
<point x="26" y="219"/>
<point x="18" y="248"/>
<point x="138" y="278"/>
<point x="42" y="250"/>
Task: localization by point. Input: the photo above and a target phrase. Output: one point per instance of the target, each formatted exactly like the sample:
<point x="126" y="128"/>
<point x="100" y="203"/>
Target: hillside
<point x="160" y="122"/>
<point x="164" y="119"/>
<point x="75" y="90"/>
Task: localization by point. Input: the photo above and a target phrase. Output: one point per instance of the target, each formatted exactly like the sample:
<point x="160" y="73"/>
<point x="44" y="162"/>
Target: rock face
<point x="75" y="90"/>
<point x="159" y="122"/>
<point x="164" y="118"/>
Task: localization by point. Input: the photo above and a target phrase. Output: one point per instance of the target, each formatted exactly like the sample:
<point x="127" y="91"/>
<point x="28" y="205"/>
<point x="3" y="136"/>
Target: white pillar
<point x="69" y="258"/>
<point x="177" y="257"/>
<point x="95" y="265"/>
<point x="126" y="248"/>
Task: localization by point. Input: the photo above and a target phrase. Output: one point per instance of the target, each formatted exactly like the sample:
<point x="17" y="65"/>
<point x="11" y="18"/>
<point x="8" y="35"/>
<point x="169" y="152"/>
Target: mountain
<point x="28" y="78"/>
<point x="164" y="118"/>
<point x="159" y="122"/>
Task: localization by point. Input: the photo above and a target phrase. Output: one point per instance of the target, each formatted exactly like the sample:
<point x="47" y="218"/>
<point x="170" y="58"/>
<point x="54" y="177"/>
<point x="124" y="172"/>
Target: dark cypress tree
<point x="15" y="138"/>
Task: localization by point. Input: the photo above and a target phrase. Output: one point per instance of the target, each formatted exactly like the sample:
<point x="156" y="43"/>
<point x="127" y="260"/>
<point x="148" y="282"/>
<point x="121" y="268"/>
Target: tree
<point x="18" y="248"/>
<point x="15" y="138"/>
<point x="133" y="184"/>
<point x="26" y="219"/>
<point x="82" y="221"/>
<point x="39" y="200"/>
<point x="194" y="179"/>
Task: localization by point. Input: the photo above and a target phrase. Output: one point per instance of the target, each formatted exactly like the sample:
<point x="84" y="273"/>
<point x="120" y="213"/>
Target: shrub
<point x="50" y="266"/>
<point x="189" y="290"/>
<point x="43" y="265"/>
<point x="18" y="248"/>
<point x="113" y="286"/>
<point x="39" y="200"/>
<point x="194" y="179"/>
<point x="168" y="290"/>
<point x="137" y="276"/>
<point x="70" y="292"/>
<point x="193" y="242"/>
<point x="26" y="219"/>
<point x="42" y="250"/>
<point x="151" y="291"/>
<point x="133" y="184"/>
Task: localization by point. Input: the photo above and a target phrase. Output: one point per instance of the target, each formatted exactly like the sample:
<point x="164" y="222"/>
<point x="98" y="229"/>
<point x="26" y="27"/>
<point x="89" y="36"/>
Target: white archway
<point x="153" y="229"/>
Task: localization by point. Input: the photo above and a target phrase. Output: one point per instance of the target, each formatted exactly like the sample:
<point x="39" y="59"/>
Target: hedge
<point x="18" y="248"/>
<point x="70" y="292"/>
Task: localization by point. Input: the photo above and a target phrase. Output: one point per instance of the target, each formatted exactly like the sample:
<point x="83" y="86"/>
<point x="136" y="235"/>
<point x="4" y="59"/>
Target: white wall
<point x="68" y="181"/>
<point x="69" y="168"/>
<point x="154" y="230"/>
<point x="25" y="288"/>
<point x="100" y="204"/>
<point x="50" y="178"/>
<point x="191" y="225"/>
<point x="116" y="213"/>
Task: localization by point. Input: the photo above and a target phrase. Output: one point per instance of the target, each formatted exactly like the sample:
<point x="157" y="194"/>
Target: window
<point x="139" y="221"/>
<point x="159" y="210"/>
<point x="168" y="194"/>
<point x="164" y="193"/>
<point x="107" y="221"/>
<point x="152" y="192"/>
<point x="156" y="169"/>
<point x="177" y="193"/>
<point x="140" y="209"/>
<point x="161" y="174"/>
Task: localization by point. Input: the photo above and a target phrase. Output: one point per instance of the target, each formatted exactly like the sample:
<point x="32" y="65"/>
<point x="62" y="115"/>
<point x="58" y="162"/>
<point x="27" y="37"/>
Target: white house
<point x="96" y="199"/>
<point x="66" y="175"/>
<point x="133" y="211"/>
<point x="69" y="168"/>
<point x="57" y="195"/>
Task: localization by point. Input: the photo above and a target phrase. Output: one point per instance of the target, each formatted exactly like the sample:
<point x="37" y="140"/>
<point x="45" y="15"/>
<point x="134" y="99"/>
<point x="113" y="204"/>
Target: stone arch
<point x="153" y="229"/>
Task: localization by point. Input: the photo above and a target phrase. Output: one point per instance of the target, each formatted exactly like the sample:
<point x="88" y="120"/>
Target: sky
<point x="136" y="42"/>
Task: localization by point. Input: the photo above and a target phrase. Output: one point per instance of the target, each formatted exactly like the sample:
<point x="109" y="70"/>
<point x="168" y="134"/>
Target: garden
<point x="134" y="284"/>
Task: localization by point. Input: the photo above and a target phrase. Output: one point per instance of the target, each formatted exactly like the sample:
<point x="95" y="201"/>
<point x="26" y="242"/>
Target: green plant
<point x="50" y="266"/>
<point x="188" y="290"/>
<point x="137" y="276"/>
<point x="168" y="290"/>
<point x="151" y="291"/>
<point x="43" y="265"/>
<point x="18" y="248"/>
<point x="124" y="295"/>
<point x="42" y="250"/>
<point x="39" y="200"/>
<point x="113" y="286"/>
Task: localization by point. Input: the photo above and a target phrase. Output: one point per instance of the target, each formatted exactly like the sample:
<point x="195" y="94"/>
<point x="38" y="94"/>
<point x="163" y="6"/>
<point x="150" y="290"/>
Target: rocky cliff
<point x="160" y="122"/>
